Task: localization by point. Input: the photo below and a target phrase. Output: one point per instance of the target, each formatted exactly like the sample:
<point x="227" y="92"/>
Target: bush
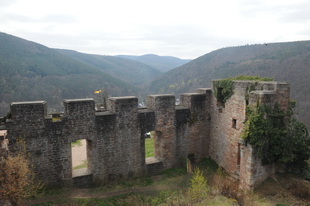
<point x="16" y="178"/>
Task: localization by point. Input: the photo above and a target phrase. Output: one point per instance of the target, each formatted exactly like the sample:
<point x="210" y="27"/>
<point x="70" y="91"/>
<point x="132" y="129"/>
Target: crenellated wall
<point x="197" y="128"/>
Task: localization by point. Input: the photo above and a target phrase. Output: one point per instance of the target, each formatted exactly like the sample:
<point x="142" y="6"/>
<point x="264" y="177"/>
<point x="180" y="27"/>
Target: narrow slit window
<point x="234" y="123"/>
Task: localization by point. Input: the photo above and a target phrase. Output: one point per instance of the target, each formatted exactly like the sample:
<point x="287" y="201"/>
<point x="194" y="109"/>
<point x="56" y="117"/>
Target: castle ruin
<point x="199" y="127"/>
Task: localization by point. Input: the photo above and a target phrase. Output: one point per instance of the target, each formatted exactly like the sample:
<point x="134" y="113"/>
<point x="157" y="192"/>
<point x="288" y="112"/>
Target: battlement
<point x="79" y="108"/>
<point x="197" y="128"/>
<point x="82" y="108"/>
<point x="34" y="111"/>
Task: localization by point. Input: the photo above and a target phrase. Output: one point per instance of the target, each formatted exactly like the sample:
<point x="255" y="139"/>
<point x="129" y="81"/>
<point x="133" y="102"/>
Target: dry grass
<point x="280" y="190"/>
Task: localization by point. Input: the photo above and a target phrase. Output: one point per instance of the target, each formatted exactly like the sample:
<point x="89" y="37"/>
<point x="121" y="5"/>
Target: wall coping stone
<point x="79" y="100"/>
<point x="105" y="113"/>
<point x="122" y="98"/>
<point x="145" y="110"/>
<point x="192" y="94"/>
<point x="30" y="102"/>
<point x="263" y="92"/>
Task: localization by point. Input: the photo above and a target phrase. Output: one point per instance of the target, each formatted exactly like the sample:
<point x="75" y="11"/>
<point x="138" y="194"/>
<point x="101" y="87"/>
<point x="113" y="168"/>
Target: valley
<point x="30" y="71"/>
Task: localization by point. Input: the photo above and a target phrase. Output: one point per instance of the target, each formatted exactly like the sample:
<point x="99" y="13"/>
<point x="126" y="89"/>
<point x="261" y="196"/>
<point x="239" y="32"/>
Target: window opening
<point x="234" y="123"/>
<point x="149" y="144"/>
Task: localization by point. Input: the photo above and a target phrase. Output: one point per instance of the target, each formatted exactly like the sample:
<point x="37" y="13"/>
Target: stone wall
<point x="197" y="128"/>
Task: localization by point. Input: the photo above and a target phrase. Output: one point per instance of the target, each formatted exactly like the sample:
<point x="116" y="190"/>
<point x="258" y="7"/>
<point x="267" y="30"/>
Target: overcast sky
<point x="185" y="29"/>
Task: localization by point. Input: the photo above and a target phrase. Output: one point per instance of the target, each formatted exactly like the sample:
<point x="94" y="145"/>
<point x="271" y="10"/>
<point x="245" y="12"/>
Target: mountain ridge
<point x="162" y="63"/>
<point x="288" y="61"/>
<point x="128" y="70"/>
<point x="31" y="71"/>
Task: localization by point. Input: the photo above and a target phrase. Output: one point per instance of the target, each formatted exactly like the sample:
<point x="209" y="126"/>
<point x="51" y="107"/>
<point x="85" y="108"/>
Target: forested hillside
<point x="129" y="70"/>
<point x="162" y="63"/>
<point x="30" y="71"/>
<point x="282" y="61"/>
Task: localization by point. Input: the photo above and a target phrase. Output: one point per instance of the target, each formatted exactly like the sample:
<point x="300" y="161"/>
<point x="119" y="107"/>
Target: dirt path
<point x="87" y="193"/>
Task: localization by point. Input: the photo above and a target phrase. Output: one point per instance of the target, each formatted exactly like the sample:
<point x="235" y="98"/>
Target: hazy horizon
<point x="183" y="29"/>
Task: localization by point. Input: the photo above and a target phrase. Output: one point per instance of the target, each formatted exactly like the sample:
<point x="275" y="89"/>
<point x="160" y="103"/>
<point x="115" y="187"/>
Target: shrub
<point x="16" y="177"/>
<point x="198" y="189"/>
<point x="277" y="137"/>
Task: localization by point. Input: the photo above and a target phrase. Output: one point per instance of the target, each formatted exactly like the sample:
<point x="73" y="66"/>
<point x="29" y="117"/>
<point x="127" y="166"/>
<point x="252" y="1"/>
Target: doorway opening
<point x="191" y="161"/>
<point x="80" y="157"/>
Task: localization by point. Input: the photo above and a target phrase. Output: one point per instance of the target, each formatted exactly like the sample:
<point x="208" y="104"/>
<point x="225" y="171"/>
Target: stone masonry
<point x="199" y="127"/>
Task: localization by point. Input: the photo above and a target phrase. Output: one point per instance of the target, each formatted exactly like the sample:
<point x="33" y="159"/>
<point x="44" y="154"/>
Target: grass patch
<point x="149" y="147"/>
<point x="77" y="143"/>
<point x="209" y="165"/>
<point x="56" y="119"/>
<point x="110" y="201"/>
<point x="137" y="182"/>
<point x="55" y="190"/>
<point x="83" y="165"/>
<point x="131" y="183"/>
<point x="174" y="172"/>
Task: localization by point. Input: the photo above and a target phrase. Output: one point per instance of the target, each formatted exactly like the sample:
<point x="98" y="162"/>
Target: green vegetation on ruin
<point x="223" y="88"/>
<point x="278" y="137"/>
<point x="76" y="143"/>
<point x="250" y="78"/>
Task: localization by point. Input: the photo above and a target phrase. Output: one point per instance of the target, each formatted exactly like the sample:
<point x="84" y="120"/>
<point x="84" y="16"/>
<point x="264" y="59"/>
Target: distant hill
<point x="30" y="71"/>
<point x="282" y="61"/>
<point x="132" y="71"/>
<point x="162" y="63"/>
